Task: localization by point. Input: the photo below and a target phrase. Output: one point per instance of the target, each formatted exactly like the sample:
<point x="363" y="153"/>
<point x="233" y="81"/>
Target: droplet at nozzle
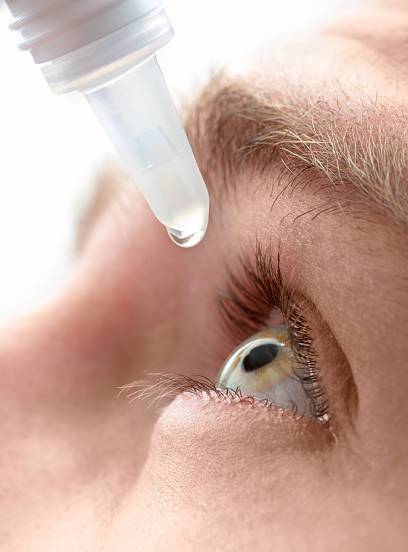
<point x="185" y="239"/>
<point x="138" y="114"/>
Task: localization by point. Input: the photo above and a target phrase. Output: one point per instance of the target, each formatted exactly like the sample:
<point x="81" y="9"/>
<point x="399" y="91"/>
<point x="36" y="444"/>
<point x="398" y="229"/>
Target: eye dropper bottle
<point x="106" y="49"/>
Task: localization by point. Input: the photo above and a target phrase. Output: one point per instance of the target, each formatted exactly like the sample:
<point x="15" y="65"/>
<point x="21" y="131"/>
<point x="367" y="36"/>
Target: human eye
<point x="269" y="351"/>
<point x="266" y="368"/>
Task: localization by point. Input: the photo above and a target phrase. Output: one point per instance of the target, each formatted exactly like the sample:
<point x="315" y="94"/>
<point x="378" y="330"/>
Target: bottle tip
<point x="185" y="239"/>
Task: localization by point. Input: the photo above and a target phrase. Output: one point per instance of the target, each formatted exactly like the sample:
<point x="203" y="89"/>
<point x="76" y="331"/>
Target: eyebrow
<point x="348" y="139"/>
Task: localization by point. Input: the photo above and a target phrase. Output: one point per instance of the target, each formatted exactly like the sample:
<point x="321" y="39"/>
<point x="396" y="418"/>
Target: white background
<point x="50" y="145"/>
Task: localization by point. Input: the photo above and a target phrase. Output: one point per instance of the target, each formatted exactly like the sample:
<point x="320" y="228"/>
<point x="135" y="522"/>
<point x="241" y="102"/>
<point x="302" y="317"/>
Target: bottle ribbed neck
<point x="52" y="28"/>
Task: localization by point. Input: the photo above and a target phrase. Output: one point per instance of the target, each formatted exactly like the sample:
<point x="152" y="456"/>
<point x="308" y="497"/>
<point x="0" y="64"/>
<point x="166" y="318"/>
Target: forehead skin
<point x="100" y="475"/>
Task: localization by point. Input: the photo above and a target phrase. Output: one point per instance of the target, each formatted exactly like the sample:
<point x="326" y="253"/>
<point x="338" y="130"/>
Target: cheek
<point x="207" y="463"/>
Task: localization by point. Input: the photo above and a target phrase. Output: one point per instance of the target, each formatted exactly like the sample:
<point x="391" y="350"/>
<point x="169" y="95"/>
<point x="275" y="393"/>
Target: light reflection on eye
<point x="264" y="367"/>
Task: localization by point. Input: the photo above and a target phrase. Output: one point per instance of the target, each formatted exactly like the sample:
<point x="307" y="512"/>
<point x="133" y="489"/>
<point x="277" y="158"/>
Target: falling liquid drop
<point x="185" y="239"/>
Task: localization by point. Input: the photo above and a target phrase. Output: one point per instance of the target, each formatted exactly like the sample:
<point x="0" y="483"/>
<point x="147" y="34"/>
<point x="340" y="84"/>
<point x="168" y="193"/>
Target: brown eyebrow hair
<point x="346" y="138"/>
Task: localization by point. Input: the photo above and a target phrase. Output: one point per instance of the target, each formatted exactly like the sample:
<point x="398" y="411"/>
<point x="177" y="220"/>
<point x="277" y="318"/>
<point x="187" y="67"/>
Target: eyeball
<point x="264" y="367"/>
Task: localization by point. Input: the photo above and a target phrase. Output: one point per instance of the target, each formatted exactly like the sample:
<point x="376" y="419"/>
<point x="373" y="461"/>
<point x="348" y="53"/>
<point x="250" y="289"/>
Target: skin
<point x="84" y="470"/>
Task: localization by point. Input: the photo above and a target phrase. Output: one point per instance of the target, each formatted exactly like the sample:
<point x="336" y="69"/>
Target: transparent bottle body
<point x="140" y="118"/>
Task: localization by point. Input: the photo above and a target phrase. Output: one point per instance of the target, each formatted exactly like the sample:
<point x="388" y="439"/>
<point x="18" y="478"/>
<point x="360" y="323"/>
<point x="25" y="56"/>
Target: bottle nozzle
<point x="139" y="115"/>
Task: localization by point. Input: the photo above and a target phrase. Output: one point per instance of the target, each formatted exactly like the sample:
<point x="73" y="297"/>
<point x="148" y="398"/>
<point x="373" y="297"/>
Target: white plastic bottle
<point x="106" y="49"/>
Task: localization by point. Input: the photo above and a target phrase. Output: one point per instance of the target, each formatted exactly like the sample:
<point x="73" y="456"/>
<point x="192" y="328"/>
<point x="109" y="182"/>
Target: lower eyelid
<point x="158" y="388"/>
<point x="195" y="404"/>
<point x="231" y="426"/>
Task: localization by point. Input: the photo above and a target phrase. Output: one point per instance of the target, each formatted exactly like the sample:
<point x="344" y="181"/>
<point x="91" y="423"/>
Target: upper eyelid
<point x="258" y="288"/>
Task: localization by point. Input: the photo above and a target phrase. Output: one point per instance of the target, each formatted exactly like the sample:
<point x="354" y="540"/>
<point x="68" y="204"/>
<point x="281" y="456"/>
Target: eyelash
<point x="246" y="307"/>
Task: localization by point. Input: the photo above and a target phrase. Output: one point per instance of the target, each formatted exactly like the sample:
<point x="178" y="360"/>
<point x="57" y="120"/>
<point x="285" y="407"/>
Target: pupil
<point x="260" y="356"/>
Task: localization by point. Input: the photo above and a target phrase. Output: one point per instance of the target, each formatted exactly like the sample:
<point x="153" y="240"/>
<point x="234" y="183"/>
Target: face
<point x="299" y="292"/>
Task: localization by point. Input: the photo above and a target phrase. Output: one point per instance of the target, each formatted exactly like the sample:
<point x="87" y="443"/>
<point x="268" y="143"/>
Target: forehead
<point x="366" y="48"/>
